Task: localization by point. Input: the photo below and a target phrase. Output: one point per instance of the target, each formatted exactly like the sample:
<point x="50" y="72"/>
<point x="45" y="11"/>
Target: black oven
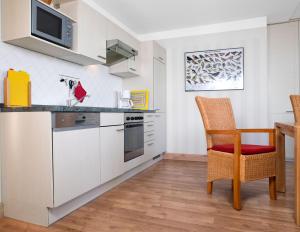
<point x="50" y="25"/>
<point x="134" y="136"/>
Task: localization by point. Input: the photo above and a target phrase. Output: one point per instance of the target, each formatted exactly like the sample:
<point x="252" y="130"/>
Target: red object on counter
<point x="79" y="92"/>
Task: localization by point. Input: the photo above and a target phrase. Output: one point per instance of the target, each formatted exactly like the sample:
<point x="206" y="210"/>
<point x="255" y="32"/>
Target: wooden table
<point x="292" y="130"/>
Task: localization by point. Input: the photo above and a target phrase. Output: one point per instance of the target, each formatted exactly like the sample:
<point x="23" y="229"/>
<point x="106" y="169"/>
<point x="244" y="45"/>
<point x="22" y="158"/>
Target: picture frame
<point x="214" y="70"/>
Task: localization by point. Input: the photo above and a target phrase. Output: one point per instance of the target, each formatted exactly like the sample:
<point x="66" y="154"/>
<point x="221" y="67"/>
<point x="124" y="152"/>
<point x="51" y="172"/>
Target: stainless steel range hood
<point x="117" y="51"/>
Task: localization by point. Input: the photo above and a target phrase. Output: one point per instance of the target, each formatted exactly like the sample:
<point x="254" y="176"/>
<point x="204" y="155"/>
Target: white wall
<point x="185" y="132"/>
<point x="44" y="72"/>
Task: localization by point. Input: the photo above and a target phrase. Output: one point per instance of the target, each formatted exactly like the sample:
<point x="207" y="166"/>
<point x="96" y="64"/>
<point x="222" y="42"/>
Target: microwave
<point x="50" y="25"/>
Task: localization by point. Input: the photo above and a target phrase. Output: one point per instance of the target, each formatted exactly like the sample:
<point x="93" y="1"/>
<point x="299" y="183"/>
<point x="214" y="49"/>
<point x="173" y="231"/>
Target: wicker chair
<point x="227" y="157"/>
<point x="295" y="99"/>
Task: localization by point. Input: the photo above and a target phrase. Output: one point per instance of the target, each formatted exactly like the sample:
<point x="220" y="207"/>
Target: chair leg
<point x="272" y="188"/>
<point x="237" y="194"/>
<point x="209" y="187"/>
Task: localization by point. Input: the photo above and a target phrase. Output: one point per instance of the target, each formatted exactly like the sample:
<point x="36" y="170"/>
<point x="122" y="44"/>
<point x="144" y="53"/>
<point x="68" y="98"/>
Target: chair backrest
<point x="217" y="114"/>
<point x="295" y="99"/>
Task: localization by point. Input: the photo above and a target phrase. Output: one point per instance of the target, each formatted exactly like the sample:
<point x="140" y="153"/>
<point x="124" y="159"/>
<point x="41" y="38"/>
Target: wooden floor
<point x="171" y="196"/>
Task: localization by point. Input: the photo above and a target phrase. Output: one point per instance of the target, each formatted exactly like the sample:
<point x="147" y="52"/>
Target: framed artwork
<point x="221" y="69"/>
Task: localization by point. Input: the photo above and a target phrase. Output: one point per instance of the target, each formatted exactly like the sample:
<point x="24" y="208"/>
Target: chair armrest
<point x="222" y="132"/>
<point x="271" y="132"/>
<point x="257" y="130"/>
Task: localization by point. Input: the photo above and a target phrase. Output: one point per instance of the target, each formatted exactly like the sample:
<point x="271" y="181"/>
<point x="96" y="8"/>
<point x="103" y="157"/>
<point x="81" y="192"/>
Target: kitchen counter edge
<point x="54" y="109"/>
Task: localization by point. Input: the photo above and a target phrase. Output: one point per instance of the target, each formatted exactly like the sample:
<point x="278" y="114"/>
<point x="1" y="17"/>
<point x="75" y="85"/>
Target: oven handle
<point x="133" y="125"/>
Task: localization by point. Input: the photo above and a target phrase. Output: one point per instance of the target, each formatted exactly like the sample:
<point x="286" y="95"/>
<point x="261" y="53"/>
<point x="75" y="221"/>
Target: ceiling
<point x="150" y="16"/>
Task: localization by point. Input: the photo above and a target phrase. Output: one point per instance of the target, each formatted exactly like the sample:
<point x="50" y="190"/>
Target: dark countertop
<point x="54" y="108"/>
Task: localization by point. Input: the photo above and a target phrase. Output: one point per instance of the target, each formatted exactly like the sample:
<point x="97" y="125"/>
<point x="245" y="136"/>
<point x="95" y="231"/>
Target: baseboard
<point x="1" y="210"/>
<point x="186" y="157"/>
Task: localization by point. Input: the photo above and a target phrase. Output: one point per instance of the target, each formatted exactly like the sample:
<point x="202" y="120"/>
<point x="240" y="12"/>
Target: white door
<point x="76" y="163"/>
<point x="283" y="74"/>
<point x="112" y="152"/>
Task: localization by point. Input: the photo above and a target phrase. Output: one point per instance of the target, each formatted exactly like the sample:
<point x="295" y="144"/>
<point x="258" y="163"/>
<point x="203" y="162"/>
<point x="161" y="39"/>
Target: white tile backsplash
<point x="44" y="73"/>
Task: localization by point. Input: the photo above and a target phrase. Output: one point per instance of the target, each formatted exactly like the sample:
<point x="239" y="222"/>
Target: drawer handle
<point x="102" y="57"/>
<point x="149" y="125"/>
<point x="120" y="130"/>
<point x="132" y="69"/>
<point x="150" y="144"/>
<point x="161" y="58"/>
<point x="150" y="135"/>
<point x="149" y="116"/>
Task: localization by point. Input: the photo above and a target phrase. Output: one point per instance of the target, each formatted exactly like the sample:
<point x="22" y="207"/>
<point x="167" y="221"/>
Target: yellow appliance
<point x="140" y="99"/>
<point x="17" y="89"/>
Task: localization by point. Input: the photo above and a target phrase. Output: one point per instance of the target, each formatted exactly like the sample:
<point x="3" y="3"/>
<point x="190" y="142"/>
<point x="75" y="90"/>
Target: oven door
<point x="133" y="141"/>
<point x="47" y="24"/>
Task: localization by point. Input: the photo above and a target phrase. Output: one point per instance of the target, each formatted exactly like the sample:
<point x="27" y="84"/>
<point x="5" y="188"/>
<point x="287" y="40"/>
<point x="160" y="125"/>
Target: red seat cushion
<point x="246" y="149"/>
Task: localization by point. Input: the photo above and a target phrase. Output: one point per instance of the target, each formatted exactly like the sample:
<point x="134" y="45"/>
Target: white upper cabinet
<point x="90" y="32"/>
<point x="159" y="87"/>
<point x="127" y="68"/>
<point x="159" y="53"/>
<point x="115" y="32"/>
<point x="16" y="27"/>
<point x="153" y="74"/>
<point x="130" y="67"/>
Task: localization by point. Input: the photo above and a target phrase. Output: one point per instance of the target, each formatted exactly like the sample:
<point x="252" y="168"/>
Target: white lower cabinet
<point x="112" y="152"/>
<point x="65" y="168"/>
<point x="76" y="163"/>
<point x="160" y="129"/>
<point x="155" y="135"/>
<point x="150" y="150"/>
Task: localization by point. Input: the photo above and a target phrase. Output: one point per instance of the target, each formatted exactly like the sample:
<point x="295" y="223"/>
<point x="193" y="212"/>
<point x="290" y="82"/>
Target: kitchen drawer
<point x="149" y="136"/>
<point x="150" y="126"/>
<point x="111" y="119"/>
<point x="149" y="117"/>
<point x="149" y="150"/>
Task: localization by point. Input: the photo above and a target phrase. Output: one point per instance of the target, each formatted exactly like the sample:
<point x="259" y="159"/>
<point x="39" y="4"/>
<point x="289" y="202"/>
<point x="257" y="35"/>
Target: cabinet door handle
<point x="149" y="125"/>
<point x="289" y="111"/>
<point x="160" y="58"/>
<point x="132" y="69"/>
<point x="150" y="135"/>
<point x="101" y="57"/>
<point x="120" y="130"/>
<point x="150" y="144"/>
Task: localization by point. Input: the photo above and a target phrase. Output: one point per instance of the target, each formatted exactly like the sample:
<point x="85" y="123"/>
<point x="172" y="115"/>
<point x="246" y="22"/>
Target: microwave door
<point x="46" y="23"/>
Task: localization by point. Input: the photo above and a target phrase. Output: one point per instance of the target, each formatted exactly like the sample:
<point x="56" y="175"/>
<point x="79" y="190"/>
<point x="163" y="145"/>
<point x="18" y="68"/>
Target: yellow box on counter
<point x="140" y="99"/>
<point x="17" y="89"/>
